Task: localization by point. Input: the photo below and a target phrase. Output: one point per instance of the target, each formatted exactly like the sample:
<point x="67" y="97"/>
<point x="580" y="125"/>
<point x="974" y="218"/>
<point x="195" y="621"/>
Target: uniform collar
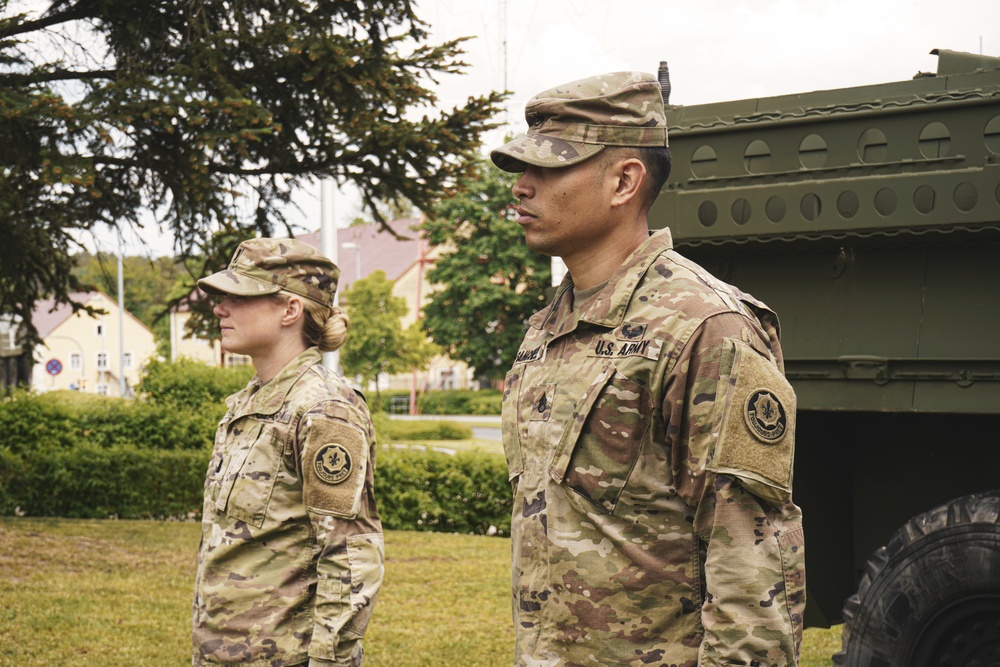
<point x="270" y="398"/>
<point x="608" y="307"/>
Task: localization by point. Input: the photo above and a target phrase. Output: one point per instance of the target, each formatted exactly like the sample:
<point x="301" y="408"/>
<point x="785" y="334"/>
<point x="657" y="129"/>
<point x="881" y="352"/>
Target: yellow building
<point x="405" y="259"/>
<point x="89" y="353"/>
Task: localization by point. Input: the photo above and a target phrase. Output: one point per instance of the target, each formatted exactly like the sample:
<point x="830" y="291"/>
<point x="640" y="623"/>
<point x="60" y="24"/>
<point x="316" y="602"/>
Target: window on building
<point x="127" y="360"/>
<point x="75" y="361"/>
<point x="102" y="389"/>
<point x="102" y="361"/>
<point x="100" y="328"/>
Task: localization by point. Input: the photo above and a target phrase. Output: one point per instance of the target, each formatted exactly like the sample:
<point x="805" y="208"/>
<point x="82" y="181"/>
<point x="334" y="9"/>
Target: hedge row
<point x="390" y="430"/>
<point x="79" y="455"/>
<point x="70" y="420"/>
<point x="429" y="491"/>
<point x="424" y="491"/>
<point x="446" y="402"/>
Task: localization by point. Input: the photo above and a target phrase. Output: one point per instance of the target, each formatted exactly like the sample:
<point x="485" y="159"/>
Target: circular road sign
<point x="53" y="367"/>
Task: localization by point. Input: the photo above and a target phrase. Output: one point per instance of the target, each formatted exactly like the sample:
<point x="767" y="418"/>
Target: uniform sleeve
<point x="733" y="416"/>
<point x="337" y="450"/>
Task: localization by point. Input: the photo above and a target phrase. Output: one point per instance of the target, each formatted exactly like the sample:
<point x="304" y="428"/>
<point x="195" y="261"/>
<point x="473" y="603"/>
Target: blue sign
<point x="53" y="367"/>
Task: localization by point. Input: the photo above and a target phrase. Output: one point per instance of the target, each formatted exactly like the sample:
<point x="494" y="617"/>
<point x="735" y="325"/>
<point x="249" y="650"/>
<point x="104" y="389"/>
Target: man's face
<point x="565" y="211"/>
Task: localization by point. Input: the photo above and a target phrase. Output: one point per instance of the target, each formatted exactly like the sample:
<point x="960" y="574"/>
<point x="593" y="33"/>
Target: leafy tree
<point x="376" y="341"/>
<point x="208" y="114"/>
<point x="490" y="282"/>
<point x="148" y="284"/>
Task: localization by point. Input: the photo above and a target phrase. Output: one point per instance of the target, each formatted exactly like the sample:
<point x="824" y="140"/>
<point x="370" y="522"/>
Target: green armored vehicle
<point x="869" y="219"/>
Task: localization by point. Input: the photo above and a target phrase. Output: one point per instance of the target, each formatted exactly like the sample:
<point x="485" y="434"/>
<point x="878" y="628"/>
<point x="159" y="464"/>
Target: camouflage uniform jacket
<point x="649" y="436"/>
<point x="291" y="554"/>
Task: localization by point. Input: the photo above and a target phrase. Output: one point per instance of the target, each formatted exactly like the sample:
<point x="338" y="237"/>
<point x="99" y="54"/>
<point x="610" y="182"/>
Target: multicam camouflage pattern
<point x="637" y="538"/>
<point x="264" y="266"/>
<point x="576" y="120"/>
<point x="289" y="565"/>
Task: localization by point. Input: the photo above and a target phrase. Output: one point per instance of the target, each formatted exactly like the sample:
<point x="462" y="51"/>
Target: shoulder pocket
<point x="334" y="467"/>
<point x="757" y="424"/>
<point x="602" y="442"/>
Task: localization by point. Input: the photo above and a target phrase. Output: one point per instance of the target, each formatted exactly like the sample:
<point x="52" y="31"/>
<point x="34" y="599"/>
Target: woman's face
<point x="250" y="324"/>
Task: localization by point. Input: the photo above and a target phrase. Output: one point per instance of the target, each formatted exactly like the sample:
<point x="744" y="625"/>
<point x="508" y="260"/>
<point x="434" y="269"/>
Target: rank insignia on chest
<point x="333" y="463"/>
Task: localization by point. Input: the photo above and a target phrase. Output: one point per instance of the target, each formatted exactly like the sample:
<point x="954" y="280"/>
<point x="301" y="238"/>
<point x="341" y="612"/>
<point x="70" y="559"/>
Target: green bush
<point x="190" y="383"/>
<point x="11" y="473"/>
<point x="431" y="491"/>
<point x="460" y="402"/>
<point x="445" y="402"/>
<point x="416" y="490"/>
<point x="90" y="481"/>
<point x="27" y="420"/>
<point x="69" y="419"/>
<point x="75" y="455"/>
<point x="389" y="430"/>
<point x="151" y="425"/>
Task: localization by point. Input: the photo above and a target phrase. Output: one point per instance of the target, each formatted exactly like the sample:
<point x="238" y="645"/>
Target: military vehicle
<point x="868" y="218"/>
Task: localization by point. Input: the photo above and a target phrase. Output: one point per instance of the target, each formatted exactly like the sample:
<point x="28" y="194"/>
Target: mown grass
<point x="118" y="594"/>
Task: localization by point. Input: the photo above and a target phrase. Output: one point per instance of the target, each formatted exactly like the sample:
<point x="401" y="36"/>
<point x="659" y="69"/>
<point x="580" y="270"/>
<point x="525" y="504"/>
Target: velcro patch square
<point x="757" y="429"/>
<point x="334" y="465"/>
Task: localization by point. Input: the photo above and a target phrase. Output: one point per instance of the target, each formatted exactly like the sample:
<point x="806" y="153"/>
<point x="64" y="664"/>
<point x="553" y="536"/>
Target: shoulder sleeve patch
<point x="756" y="442"/>
<point x="334" y="467"/>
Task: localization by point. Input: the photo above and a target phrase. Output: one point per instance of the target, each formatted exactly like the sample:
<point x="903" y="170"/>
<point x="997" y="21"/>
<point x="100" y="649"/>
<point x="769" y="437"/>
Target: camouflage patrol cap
<point x="572" y="122"/>
<point x="265" y="266"/>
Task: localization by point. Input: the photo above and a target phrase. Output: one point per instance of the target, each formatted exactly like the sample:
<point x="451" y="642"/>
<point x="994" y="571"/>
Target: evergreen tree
<point x="207" y="115"/>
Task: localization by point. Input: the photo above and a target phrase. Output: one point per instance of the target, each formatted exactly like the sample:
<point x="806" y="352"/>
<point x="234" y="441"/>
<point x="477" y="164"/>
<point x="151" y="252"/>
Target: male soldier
<point x="648" y="426"/>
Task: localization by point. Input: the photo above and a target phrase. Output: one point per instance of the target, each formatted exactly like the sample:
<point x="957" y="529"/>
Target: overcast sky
<point x="716" y="49"/>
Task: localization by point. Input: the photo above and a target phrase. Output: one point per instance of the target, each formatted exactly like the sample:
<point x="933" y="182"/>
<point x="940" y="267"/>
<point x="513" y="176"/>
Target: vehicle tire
<point x="931" y="596"/>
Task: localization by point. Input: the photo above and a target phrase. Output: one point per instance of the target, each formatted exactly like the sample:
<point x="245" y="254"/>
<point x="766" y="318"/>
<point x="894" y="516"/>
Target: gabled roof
<point x="47" y="315"/>
<point x="379" y="250"/>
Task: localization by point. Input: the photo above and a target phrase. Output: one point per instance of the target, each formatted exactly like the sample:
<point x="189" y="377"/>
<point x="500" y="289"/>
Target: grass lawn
<point x="118" y="594"/>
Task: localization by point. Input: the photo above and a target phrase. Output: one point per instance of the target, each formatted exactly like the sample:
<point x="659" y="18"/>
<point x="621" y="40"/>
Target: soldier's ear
<point x="630" y="175"/>
<point x="294" y="311"/>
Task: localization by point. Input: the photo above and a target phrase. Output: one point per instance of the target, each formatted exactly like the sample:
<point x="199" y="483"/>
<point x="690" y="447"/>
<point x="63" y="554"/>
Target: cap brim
<point x="230" y="282"/>
<point x="541" y="151"/>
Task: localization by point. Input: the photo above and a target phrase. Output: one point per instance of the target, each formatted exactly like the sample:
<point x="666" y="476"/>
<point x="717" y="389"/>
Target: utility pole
<point x="328" y="246"/>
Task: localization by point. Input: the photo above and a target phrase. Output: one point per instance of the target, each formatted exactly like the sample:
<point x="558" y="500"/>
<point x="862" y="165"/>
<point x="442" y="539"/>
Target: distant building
<point x="364" y="249"/>
<point x="83" y="352"/>
<point x="15" y="360"/>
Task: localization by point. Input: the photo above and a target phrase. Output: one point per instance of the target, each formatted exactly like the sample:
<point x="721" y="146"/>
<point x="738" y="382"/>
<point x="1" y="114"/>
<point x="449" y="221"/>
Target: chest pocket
<point x="602" y="443"/>
<point x="250" y="474"/>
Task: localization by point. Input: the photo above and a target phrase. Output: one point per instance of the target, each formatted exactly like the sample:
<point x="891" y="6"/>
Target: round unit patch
<point x="765" y="415"/>
<point x="333" y="463"/>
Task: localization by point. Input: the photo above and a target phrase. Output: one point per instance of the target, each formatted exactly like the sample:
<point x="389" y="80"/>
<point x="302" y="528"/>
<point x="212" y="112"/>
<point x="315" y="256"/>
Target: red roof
<point x="378" y="249"/>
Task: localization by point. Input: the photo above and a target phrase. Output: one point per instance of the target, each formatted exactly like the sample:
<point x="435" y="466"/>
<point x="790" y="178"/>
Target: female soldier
<point x="291" y="554"/>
